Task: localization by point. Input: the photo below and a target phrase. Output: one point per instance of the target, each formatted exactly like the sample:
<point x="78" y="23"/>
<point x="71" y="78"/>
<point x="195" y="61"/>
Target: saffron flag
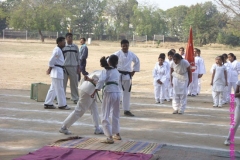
<point x="190" y="52"/>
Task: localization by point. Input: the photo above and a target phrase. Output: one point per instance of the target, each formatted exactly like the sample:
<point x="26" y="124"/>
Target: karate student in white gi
<point x="168" y="70"/>
<point x="56" y="72"/>
<point x="202" y="70"/>
<point x="193" y="87"/>
<point x="159" y="78"/>
<point x="125" y="60"/>
<point x="219" y="81"/>
<point x="182" y="52"/>
<point x="71" y="66"/>
<point x="236" y="122"/>
<point x="85" y="102"/>
<point x="180" y="78"/>
<point x="226" y="94"/>
<point x="111" y="99"/>
<point x="233" y="71"/>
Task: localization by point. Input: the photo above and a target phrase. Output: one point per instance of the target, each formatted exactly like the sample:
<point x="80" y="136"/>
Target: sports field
<point x="25" y="126"/>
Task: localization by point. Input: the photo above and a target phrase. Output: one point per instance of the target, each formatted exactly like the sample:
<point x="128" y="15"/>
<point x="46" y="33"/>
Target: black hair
<point x="225" y="55"/>
<point x="113" y="60"/>
<point x="177" y="56"/>
<point x="232" y="55"/>
<point x="68" y="34"/>
<point x="103" y="62"/>
<point x="171" y="53"/>
<point x="181" y="48"/>
<point x="60" y="39"/>
<point x="162" y="55"/>
<point x="173" y="50"/>
<point x="84" y="39"/>
<point x="222" y="58"/>
<point x="124" y="41"/>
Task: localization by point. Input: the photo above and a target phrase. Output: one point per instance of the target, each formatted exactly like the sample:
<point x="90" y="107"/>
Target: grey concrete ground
<point x="197" y="135"/>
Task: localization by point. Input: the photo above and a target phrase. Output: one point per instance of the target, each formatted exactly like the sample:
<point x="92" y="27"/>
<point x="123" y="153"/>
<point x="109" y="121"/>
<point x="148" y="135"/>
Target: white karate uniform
<point x="193" y="87"/>
<point x="180" y="81"/>
<point x="159" y="73"/>
<point x="226" y="93"/>
<point x="57" y="75"/>
<point x="236" y="116"/>
<point x="85" y="103"/>
<point x="168" y="86"/>
<point x="111" y="101"/>
<point x="233" y="76"/>
<point x="202" y="70"/>
<point x="125" y="64"/>
<point x="219" y="84"/>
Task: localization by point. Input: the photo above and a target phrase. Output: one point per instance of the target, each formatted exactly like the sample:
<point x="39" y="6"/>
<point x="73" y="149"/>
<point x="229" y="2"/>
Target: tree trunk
<point x="42" y="37"/>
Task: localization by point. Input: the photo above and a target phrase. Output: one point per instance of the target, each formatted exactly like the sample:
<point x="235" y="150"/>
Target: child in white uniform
<point x="56" y="72"/>
<point x="226" y="93"/>
<point x="233" y="71"/>
<point x="168" y="88"/>
<point x="111" y="99"/>
<point x="236" y="116"/>
<point x="180" y="78"/>
<point x="85" y="103"/>
<point x="219" y="81"/>
<point x="159" y="75"/>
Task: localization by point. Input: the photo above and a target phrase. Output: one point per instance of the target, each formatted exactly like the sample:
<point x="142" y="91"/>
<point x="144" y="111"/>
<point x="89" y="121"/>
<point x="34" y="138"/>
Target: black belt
<point x="59" y="66"/>
<point x="126" y="73"/>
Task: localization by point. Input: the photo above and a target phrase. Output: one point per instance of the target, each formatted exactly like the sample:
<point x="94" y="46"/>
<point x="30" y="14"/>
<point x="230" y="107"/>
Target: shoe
<point x="108" y="141"/>
<point x="180" y="112"/>
<point x="64" y="107"/>
<point x="65" y="131"/>
<point x="193" y="95"/>
<point x="98" y="131"/>
<point x="47" y="106"/>
<point x="227" y="142"/>
<point x="175" y="112"/>
<point x="189" y="94"/>
<point x="157" y="102"/>
<point x="75" y="101"/>
<point x="128" y="113"/>
<point x="117" y="137"/>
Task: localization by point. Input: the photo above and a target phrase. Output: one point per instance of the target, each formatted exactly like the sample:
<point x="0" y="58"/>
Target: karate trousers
<point x="85" y="103"/>
<point x="125" y="94"/>
<point x="56" y="89"/>
<point x="193" y="87"/>
<point x="110" y="106"/>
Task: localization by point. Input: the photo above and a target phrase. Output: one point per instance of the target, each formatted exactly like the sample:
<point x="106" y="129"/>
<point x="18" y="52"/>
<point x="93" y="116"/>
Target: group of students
<point x="224" y="78"/>
<point x="171" y="78"/>
<point x="115" y="80"/>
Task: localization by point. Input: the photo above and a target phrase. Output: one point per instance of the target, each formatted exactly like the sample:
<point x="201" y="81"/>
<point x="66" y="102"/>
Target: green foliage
<point x="149" y="21"/>
<point x="228" y="39"/>
<point x="175" y="19"/>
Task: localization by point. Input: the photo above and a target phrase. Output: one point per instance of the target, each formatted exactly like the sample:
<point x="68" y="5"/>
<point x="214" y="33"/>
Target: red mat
<point x="58" y="153"/>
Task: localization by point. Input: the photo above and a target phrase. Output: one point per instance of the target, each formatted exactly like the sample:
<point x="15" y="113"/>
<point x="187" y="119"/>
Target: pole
<point x="3" y="34"/>
<point x="26" y="34"/>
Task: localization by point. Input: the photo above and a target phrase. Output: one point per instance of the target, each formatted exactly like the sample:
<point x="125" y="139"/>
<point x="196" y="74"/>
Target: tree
<point x="120" y="16"/>
<point x="175" y="18"/>
<point x="205" y="20"/>
<point x="84" y="15"/>
<point x="37" y="15"/>
<point x="149" y="20"/>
